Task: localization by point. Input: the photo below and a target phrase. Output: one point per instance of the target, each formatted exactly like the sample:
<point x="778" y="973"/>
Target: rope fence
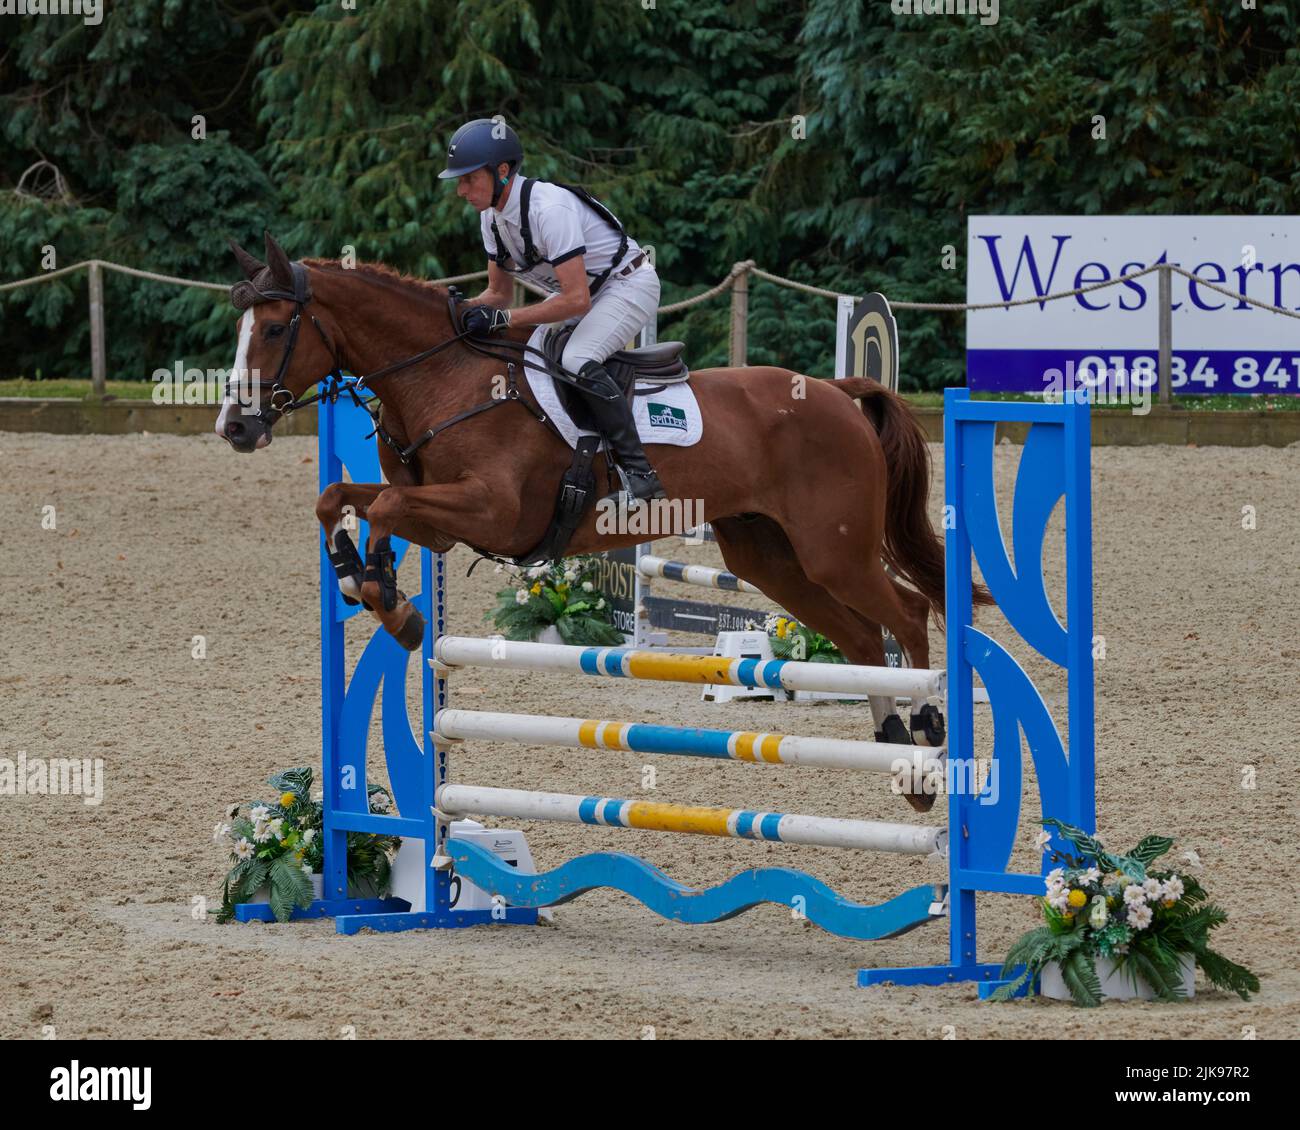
<point x="736" y="281"/>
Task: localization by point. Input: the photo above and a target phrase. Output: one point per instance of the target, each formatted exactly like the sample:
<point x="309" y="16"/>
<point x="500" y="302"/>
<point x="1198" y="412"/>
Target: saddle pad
<point x="669" y="416"/>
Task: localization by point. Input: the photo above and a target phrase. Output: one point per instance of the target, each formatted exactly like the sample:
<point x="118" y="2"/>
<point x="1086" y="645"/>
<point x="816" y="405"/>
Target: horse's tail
<point x="911" y="547"/>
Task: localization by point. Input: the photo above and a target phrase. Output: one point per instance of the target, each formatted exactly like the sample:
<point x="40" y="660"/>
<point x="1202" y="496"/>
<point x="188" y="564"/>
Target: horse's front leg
<point x="338" y="503"/>
<point x="463" y="510"/>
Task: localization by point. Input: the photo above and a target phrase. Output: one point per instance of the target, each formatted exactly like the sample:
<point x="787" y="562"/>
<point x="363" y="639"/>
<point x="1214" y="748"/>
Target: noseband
<point x="282" y="400"/>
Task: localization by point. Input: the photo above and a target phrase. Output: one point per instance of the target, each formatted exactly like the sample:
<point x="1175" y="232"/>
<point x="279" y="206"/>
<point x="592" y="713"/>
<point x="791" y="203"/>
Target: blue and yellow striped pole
<point x="918" y="684"/>
<point x="774" y="827"/>
<point x="638" y="737"/>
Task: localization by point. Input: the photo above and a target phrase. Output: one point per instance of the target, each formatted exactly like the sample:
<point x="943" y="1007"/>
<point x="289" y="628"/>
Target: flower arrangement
<point x="793" y="640"/>
<point x="280" y="845"/>
<point x="562" y="595"/>
<point x="1114" y="906"/>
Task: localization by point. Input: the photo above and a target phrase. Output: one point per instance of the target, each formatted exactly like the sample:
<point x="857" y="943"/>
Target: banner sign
<point x="1109" y="337"/>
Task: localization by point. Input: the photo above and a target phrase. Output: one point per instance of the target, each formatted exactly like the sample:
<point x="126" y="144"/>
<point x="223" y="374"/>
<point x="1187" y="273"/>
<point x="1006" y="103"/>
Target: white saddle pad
<point x="669" y="415"/>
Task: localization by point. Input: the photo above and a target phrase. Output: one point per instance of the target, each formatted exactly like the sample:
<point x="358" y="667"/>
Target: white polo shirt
<point x="562" y="226"/>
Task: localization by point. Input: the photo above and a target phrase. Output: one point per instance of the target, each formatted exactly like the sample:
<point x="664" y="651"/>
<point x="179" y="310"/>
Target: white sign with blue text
<point x="1109" y="337"/>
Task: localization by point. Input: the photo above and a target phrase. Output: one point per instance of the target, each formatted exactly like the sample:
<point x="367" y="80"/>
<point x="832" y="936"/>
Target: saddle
<point x="637" y="372"/>
<point x="652" y="366"/>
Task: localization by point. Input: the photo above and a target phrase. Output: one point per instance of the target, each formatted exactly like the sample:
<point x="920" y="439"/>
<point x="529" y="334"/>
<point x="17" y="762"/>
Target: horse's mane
<point x="379" y="273"/>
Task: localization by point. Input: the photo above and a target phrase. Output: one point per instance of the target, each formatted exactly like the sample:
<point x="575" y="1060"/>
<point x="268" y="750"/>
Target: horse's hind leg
<point x="758" y="550"/>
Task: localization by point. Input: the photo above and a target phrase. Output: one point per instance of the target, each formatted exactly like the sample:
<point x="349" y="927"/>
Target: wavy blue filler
<point x="670" y="899"/>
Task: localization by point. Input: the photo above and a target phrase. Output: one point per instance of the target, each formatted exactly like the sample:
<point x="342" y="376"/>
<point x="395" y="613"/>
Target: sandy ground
<point x="160" y="539"/>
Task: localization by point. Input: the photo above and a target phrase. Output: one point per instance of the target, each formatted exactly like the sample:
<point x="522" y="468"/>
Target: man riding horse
<point x="568" y="243"/>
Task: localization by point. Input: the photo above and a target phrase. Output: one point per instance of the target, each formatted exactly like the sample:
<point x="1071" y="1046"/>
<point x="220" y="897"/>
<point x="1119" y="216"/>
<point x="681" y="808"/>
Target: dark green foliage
<point x="328" y="126"/>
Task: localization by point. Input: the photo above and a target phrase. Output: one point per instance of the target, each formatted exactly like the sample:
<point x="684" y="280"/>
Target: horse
<point x="816" y="489"/>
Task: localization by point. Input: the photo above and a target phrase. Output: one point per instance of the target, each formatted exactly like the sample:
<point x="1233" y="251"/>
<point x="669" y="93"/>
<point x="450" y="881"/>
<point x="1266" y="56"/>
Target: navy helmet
<point x="482" y="143"/>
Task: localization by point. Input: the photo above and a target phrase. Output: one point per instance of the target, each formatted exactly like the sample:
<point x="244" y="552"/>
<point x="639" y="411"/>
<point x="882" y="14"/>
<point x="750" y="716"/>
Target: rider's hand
<point x="480" y="321"/>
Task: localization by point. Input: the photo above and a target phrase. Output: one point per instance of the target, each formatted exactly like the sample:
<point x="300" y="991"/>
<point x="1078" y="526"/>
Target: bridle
<point x="282" y="399"/>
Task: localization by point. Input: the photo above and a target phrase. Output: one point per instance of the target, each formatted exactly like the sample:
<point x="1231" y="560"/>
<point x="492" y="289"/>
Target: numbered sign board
<point x="1108" y="338"/>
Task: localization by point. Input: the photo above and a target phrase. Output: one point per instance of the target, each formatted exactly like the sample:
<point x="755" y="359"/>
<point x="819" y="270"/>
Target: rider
<point x="572" y="246"/>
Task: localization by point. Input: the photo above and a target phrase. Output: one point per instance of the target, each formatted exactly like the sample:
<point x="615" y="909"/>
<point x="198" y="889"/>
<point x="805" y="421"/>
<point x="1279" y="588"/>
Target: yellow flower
<point x="286" y="799"/>
<point x="782" y="626"/>
<point x="536" y="590"/>
<point x="1077" y="898"/>
<point x="561" y="588"/>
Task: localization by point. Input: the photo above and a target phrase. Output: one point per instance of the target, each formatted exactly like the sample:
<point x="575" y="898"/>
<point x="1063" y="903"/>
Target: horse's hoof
<point x="928" y="726"/>
<point x="920" y="802"/>
<point x="894" y="731"/>
<point x="411" y="634"/>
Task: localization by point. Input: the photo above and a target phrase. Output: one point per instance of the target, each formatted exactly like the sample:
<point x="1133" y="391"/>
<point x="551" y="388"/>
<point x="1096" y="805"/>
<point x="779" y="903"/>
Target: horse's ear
<point x="278" y="261"/>
<point x="247" y="263"/>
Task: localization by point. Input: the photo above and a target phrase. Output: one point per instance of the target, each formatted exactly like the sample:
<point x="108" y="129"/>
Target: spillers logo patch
<point x="666" y="416"/>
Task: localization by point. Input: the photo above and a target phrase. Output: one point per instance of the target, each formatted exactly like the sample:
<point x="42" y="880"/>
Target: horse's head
<point x="273" y="297"/>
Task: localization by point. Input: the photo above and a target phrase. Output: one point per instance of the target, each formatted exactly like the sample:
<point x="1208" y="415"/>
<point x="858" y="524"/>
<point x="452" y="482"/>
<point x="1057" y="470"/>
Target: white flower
<point x="1089" y="876"/>
<point x="587" y="586"/>
<point x="521" y="596"/>
<point x="1134" y="895"/>
<point x="535" y="573"/>
<point x="1139" y="917"/>
<point x="260" y="813"/>
<point x="1171" y="890"/>
<point x="309" y="835"/>
<point x="1059" y="899"/>
<point x="1042" y="840"/>
<point x="380" y="802"/>
<point x="242" y="849"/>
<point x="306" y="867"/>
<point x="1151" y="888"/>
<point x="1056" y="877"/>
<point x="1193" y="860"/>
<point x="261" y="832"/>
<point x="600" y="604"/>
<point x="276" y="827"/>
<point x="220" y="832"/>
<point x="1100" y="915"/>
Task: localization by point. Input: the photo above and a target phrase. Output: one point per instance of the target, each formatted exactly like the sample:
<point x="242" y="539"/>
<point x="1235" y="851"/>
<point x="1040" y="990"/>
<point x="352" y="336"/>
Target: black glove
<point x="480" y="321"/>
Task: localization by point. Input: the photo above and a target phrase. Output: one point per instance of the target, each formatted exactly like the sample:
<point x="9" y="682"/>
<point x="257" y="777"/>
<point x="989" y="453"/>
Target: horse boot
<point x="614" y="421"/>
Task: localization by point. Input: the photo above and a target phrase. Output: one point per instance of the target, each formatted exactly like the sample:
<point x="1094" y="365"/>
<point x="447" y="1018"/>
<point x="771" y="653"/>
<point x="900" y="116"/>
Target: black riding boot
<point x="613" y="418"/>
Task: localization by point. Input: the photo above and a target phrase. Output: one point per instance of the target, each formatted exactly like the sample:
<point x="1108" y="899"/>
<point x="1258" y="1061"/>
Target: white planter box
<point x="1116" y="985"/>
<point x="550" y="634"/>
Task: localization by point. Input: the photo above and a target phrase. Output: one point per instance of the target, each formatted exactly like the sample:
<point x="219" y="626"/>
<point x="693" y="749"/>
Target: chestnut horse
<point x="809" y="484"/>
